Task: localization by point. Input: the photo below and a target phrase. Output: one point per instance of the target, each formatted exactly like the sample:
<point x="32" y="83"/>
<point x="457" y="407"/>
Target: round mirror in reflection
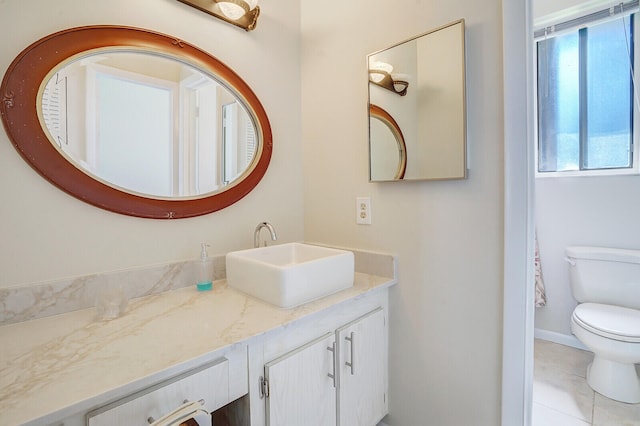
<point x="387" y="147"/>
<point x="147" y="124"/>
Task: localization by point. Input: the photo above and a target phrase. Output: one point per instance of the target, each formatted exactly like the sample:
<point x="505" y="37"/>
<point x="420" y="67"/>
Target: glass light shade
<point x="379" y="66"/>
<point x="233" y="11"/>
<point x="399" y="86"/>
<point x="375" y="77"/>
<point x="399" y="81"/>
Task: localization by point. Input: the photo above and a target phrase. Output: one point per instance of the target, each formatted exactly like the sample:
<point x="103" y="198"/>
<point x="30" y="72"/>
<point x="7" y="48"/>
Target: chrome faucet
<point x="256" y="234"/>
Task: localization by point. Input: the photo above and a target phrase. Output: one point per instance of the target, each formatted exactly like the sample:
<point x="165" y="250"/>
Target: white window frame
<point x="635" y="144"/>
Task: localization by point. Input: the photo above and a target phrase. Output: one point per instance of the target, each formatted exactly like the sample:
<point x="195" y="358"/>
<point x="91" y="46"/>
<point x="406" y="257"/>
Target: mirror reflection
<point x="148" y="124"/>
<point x="388" y="148"/>
<point x="420" y="84"/>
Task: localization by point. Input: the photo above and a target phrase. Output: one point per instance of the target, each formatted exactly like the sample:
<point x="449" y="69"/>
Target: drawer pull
<point x="186" y="411"/>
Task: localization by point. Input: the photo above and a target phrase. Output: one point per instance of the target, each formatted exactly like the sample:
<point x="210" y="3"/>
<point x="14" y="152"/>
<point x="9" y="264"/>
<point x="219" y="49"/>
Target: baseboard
<point x="563" y="339"/>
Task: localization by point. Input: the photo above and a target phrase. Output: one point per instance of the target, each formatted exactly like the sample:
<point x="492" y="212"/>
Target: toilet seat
<point x="613" y="322"/>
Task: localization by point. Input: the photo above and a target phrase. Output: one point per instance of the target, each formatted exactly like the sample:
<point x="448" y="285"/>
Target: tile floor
<point x="562" y="397"/>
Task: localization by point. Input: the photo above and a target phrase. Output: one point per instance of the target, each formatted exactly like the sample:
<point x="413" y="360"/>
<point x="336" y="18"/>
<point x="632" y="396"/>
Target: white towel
<point x="189" y="410"/>
<point x="541" y="297"/>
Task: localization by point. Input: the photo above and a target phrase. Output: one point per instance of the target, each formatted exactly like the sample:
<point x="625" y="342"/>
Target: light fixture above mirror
<point x="380" y="74"/>
<point x="241" y="13"/>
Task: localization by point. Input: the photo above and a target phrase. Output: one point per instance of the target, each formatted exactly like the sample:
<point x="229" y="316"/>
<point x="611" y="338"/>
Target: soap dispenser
<point x="204" y="270"/>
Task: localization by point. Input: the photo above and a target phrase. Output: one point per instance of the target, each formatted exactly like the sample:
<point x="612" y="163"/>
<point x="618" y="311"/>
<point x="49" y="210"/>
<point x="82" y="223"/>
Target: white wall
<point x="446" y="311"/>
<point x="600" y="211"/>
<point x="46" y="234"/>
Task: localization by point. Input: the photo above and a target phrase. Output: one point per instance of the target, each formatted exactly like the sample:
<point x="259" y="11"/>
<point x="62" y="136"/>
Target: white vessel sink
<point x="289" y="275"/>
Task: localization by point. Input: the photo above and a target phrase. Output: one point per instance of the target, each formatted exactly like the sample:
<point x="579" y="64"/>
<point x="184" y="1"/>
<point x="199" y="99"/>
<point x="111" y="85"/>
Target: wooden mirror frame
<point x="375" y="112"/>
<point x="19" y="112"/>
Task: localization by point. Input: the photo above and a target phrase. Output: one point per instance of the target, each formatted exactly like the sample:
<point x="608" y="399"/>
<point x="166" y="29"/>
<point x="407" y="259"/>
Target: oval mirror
<point x="388" y="150"/>
<point x="136" y="122"/>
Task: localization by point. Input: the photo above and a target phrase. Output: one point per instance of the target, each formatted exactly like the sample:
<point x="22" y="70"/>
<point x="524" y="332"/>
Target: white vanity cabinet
<point x="339" y="378"/>
<point x="212" y="346"/>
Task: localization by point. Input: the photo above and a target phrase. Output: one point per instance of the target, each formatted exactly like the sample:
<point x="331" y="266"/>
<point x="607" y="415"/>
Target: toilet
<point x="606" y="284"/>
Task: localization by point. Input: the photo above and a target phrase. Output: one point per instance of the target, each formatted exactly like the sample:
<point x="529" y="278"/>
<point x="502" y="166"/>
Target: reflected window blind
<point x="251" y="141"/>
<point x="53" y="102"/>
<point x="51" y="109"/>
<point x="613" y="11"/>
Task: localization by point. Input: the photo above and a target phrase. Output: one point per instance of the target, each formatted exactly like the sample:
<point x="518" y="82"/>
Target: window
<point x="585" y="100"/>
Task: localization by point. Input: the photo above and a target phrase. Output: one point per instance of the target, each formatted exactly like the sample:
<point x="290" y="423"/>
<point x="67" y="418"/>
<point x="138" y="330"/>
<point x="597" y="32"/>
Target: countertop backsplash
<point x="44" y="299"/>
<point x="40" y="300"/>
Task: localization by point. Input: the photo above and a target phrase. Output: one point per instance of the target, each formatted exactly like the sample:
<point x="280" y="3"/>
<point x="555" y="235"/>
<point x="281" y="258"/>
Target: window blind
<point x="582" y="21"/>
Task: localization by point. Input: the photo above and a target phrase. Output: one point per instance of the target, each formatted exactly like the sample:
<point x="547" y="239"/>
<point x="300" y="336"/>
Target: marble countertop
<point x="55" y="367"/>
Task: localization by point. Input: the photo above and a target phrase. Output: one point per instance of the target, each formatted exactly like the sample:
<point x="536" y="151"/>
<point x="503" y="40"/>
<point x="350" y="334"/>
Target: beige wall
<point x="446" y="311"/>
<point x="46" y="234"/>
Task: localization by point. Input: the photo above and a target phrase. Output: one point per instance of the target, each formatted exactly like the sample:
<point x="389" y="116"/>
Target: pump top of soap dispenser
<point x="203" y="253"/>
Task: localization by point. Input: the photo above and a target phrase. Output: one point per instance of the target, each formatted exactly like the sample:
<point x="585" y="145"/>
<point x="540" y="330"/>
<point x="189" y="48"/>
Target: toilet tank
<point x="605" y="275"/>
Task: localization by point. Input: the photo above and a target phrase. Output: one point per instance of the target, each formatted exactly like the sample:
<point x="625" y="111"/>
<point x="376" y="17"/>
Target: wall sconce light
<point x="241" y="13"/>
<point x="380" y="75"/>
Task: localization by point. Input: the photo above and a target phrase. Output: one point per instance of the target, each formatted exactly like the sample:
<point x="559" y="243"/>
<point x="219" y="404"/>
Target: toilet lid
<point x="610" y="321"/>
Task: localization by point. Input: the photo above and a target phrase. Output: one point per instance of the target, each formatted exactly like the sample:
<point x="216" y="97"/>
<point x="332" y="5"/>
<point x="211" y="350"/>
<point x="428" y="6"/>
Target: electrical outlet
<point x="363" y="210"/>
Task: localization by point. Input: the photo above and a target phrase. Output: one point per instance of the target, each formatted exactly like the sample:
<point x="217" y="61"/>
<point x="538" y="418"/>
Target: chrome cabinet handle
<point x="352" y="340"/>
<point x="332" y="375"/>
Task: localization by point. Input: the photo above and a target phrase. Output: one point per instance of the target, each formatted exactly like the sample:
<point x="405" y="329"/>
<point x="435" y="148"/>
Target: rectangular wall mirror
<point x="417" y="108"/>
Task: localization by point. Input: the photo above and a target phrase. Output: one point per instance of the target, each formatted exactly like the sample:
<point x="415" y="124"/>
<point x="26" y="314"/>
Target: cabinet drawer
<point x="209" y="383"/>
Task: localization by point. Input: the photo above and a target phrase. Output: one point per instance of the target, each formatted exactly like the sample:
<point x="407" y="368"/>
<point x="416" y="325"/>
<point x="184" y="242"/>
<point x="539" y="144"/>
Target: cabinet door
<point x="363" y="372"/>
<point x="301" y="387"/>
